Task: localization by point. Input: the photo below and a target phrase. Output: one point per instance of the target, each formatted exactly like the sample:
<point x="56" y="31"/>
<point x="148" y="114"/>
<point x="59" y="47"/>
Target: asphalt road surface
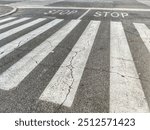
<point x="77" y="56"/>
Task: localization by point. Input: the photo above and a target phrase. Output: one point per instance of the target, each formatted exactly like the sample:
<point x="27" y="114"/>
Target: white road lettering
<point x="106" y="13"/>
<point x="61" y="12"/>
<point x="124" y="14"/>
<point x="110" y="14"/>
<point x="115" y="14"/>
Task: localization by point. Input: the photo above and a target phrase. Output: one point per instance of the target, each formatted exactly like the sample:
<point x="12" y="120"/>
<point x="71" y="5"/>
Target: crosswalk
<point x="126" y="91"/>
<point x="121" y="62"/>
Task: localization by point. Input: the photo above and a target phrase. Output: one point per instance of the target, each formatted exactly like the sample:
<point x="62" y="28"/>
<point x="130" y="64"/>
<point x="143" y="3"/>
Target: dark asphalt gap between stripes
<point x="27" y="94"/>
<point x="140" y="56"/>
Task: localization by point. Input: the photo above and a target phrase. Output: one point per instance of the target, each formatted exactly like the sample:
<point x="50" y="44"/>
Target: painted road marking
<point x="126" y="94"/>
<point x="106" y="14"/>
<point x="7" y="19"/>
<point x="6" y="49"/>
<point x="61" y="12"/>
<point x="144" y="32"/>
<point x="13" y="23"/>
<point x="110" y="9"/>
<point x="84" y="14"/>
<point x="16" y="73"/>
<point x="62" y="88"/>
<point x="15" y="30"/>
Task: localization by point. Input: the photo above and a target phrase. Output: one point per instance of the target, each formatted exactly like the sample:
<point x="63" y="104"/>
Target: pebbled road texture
<point x="93" y="93"/>
<point x="5" y="9"/>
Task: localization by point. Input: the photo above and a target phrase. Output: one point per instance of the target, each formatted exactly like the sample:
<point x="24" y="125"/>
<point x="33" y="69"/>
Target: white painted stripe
<point x="126" y="94"/>
<point x="62" y="88"/>
<point x="93" y="8"/>
<point x="7" y="19"/>
<point x="144" y="32"/>
<point x="6" y="49"/>
<point x="17" y="29"/>
<point x="16" y="73"/>
<point x="84" y="14"/>
<point x="13" y="23"/>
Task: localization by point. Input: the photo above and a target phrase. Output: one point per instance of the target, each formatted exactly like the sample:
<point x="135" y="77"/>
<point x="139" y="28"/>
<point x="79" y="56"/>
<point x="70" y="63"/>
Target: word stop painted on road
<point x="110" y="14"/>
<point x="62" y="12"/>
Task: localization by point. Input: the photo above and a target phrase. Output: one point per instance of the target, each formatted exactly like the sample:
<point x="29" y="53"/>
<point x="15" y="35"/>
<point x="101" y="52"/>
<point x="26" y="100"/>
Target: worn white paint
<point x="17" y="29"/>
<point x="106" y="14"/>
<point x="126" y="94"/>
<point x="9" y="47"/>
<point x="144" y="32"/>
<point x="61" y="12"/>
<point x="146" y="2"/>
<point x="86" y="12"/>
<point x="93" y="8"/>
<point x="13" y="23"/>
<point x="62" y="88"/>
<point x="16" y="73"/>
<point x="7" y="19"/>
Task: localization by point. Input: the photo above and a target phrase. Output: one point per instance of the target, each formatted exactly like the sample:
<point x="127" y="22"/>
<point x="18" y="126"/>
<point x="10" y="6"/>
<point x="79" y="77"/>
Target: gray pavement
<point x="76" y="57"/>
<point x="107" y="4"/>
<point x="5" y="9"/>
<point x="100" y="3"/>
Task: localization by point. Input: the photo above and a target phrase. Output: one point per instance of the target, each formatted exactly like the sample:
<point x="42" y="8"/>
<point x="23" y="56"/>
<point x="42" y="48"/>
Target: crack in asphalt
<point x="70" y="67"/>
<point x="50" y="43"/>
<point x="2" y="52"/>
<point x="88" y="68"/>
<point x="34" y="60"/>
<point x="18" y="45"/>
<point x="126" y="76"/>
<point x="123" y="59"/>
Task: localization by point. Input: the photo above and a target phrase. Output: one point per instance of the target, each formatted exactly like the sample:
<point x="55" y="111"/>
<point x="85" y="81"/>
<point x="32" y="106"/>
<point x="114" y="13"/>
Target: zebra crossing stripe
<point x="16" y="73"/>
<point x="7" y="19"/>
<point x="17" y="29"/>
<point x="144" y="32"/>
<point x="126" y="94"/>
<point x="63" y="86"/>
<point x="13" y="23"/>
<point x="6" y="49"/>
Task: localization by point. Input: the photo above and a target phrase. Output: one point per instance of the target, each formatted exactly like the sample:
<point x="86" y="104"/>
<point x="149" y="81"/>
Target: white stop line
<point x="110" y="9"/>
